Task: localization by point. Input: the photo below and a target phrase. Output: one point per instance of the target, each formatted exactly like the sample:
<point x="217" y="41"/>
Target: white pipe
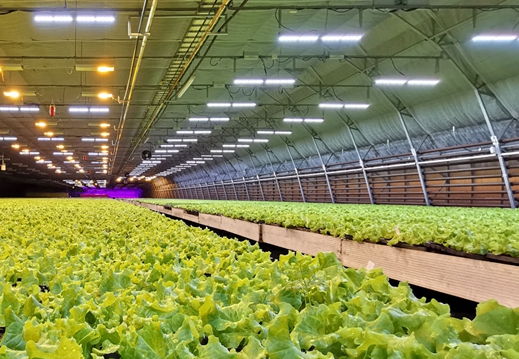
<point x="127" y="101"/>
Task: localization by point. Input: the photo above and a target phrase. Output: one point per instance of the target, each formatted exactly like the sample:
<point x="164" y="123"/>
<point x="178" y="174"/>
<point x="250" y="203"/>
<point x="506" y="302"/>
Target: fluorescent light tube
<point x="78" y="109"/>
<point x="29" y="109"/>
<point x="356" y="105"/>
<point x="423" y="82"/>
<point x="248" y="82"/>
<point x="9" y="138"/>
<point x="341" y="38"/>
<point x="184" y="132"/>
<point x="331" y="105"/>
<point x="218" y="104"/>
<point x="313" y="120"/>
<point x="292" y="120"/>
<point x="391" y="82"/>
<point x="280" y="81"/>
<point x="283" y="132"/>
<point x="186" y="86"/>
<point x="94" y="19"/>
<point x="99" y="109"/>
<point x="244" y="104"/>
<point x="198" y="119"/>
<point x="298" y="38"/>
<point x="9" y="108"/>
<point x="55" y="18"/>
<point x="202" y="132"/>
<point x="488" y="38"/>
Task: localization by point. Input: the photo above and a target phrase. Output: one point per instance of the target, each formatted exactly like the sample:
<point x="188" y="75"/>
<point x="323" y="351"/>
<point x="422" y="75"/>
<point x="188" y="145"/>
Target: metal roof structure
<point x="410" y="76"/>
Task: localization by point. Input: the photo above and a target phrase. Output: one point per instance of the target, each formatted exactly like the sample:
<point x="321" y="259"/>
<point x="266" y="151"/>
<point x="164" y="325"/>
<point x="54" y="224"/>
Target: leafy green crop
<point x="88" y="278"/>
<point x="472" y="230"/>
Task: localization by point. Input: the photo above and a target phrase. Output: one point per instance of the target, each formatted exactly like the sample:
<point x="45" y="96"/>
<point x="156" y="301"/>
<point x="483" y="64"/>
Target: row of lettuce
<point x="471" y="230"/>
<point x="100" y="278"/>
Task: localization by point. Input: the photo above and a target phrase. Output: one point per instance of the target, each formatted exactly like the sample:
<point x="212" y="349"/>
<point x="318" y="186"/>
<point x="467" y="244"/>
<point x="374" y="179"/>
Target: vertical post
<point x="261" y="188"/>
<point x="275" y="177"/>
<point x="361" y="162"/>
<point x="216" y="191"/>
<point x="325" y="172"/>
<point x="224" y="191"/>
<point x="297" y="174"/>
<point x="246" y="189"/>
<point x="497" y="149"/>
<point x="416" y="160"/>
<point x="201" y="190"/>
<point x="234" y="189"/>
<point x="191" y="193"/>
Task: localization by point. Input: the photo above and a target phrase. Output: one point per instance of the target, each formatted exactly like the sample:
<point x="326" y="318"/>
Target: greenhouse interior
<point x="259" y="179"/>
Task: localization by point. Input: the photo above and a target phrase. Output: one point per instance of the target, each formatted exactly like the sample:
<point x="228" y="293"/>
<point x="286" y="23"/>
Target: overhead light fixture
<point x="95" y="19"/>
<point x="391" y="82"/>
<point x="256" y="140"/>
<point x="91" y="139"/>
<point x="298" y="38"/>
<point x="186" y="86"/>
<point x="27" y="152"/>
<point x="199" y="119"/>
<point x="62" y="153"/>
<point x="104" y="134"/>
<point x="15" y="146"/>
<point x="99" y="109"/>
<point x="49" y="134"/>
<point x="169" y="140"/>
<point x="29" y="109"/>
<point x="12" y="94"/>
<point x="9" y="108"/>
<point x="361" y="106"/>
<point x="248" y="82"/>
<point x="86" y="109"/>
<point x="41" y="124"/>
<point x="53" y="18"/>
<point x="497" y="38"/>
<point x="104" y="125"/>
<point x="5" y="66"/>
<point x="331" y="105"/>
<point x="193" y="132"/>
<point x="283" y="132"/>
<point x="104" y="95"/>
<point x="305" y="120"/>
<point x="60" y="147"/>
<point x="341" y="38"/>
<point x="272" y="132"/>
<point x="280" y="81"/>
<point x="218" y="104"/>
<point x="244" y="104"/>
<point x="264" y="132"/>
<point x="423" y="82"/>
<point x="105" y="69"/>
<point x="8" y="138"/>
<point x="78" y="109"/>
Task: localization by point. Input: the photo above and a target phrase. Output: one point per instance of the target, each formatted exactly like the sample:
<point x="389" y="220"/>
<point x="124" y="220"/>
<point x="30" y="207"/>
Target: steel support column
<point x="416" y="159"/>
<point x="361" y="163"/>
<point x="234" y="189"/>
<point x="261" y="188"/>
<point x="201" y="190"/>
<point x="297" y="174"/>
<point x="224" y="191"/>
<point x="325" y="171"/>
<point x="246" y="190"/>
<point x="497" y="148"/>
<point x="274" y="173"/>
<point x="215" y="191"/>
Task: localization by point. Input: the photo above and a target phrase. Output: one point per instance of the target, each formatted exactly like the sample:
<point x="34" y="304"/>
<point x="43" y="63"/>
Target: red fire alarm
<point x="52" y="110"/>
